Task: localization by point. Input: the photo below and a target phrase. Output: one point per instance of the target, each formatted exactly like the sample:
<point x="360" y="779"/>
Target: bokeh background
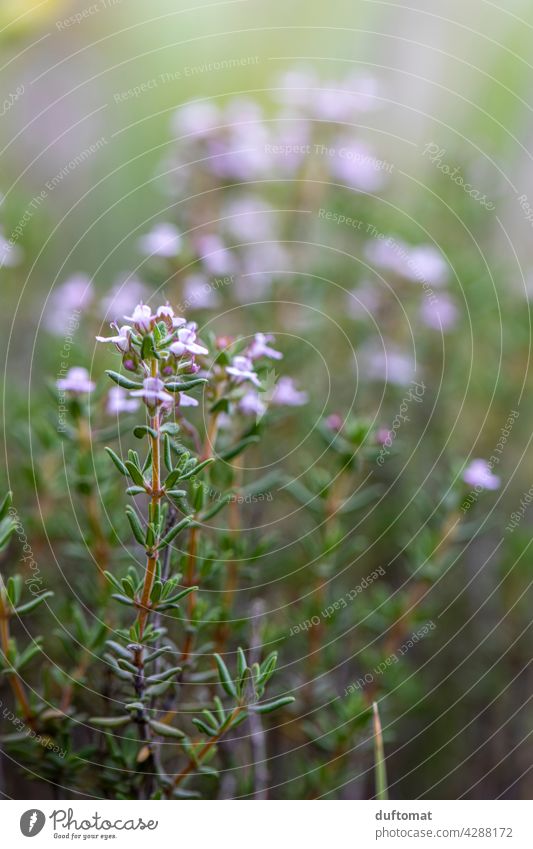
<point x="452" y="81"/>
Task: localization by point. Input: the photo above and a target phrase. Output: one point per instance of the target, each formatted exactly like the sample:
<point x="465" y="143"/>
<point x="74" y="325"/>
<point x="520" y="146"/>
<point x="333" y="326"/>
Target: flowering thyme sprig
<point x="163" y="362"/>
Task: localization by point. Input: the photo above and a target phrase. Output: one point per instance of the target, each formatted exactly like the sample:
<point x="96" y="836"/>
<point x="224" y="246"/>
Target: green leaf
<point x="225" y="678"/>
<point x="204" y="727"/>
<point x="196" y="469"/>
<point x="167" y="454"/>
<point x="117" y="461"/>
<point x="165" y="730"/>
<point x="241" y="662"/>
<point x="140" y="431"/>
<point x="109" y="721"/>
<point x="148" y="347"/>
<point x="268" y="707"/>
<point x="31" y="605"/>
<point x="7" y="501"/>
<point x="135" y="490"/>
<point x="135" y="473"/>
<point x="122" y="380"/>
<point x="173" y="532"/>
<point x="231" y="453"/>
<point x="135" y="524"/>
<point x="183" y="386"/>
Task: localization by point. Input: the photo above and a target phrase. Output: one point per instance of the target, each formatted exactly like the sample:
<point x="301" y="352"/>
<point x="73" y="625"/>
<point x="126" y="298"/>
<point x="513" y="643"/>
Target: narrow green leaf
<point x="225" y="678"/>
<point x="135" y="524"/>
<point x="173" y="532"/>
<point x="165" y="730"/>
<point x="268" y="707"/>
<point x="122" y="380"/>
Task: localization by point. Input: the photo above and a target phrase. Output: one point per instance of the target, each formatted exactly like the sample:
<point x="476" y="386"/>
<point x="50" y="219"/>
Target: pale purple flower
<point x="195" y="118"/>
<point x="118" y="401"/>
<point x="427" y="264"/>
<point x="296" y="86"/>
<point x="166" y="313"/>
<point x="216" y="258"/>
<point x="478" y="473"/>
<point x="356" y="165"/>
<point x="123" y="297"/>
<point x="363" y="301"/>
<point x="76" y="381"/>
<point x="153" y="393"/>
<point x="241" y="369"/>
<point x="199" y="293"/>
<point x="70" y="298"/>
<point x="186" y="342"/>
<point x="260" y="347"/>
<point x="122" y="339"/>
<point x="439" y="313"/>
<point x="389" y="253"/>
<point x="249" y="218"/>
<point x="334" y="422"/>
<point x="252" y="405"/>
<point x="187" y="400"/>
<point x="383" y="435"/>
<point x="142" y="318"/>
<point x="291" y="144"/>
<point x="390" y="365"/>
<point x="285" y="394"/>
<point x="163" y="240"/>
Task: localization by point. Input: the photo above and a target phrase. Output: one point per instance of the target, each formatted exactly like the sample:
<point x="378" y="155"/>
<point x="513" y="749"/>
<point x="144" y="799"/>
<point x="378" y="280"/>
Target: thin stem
<point x="151" y="563"/>
<point x="14" y="679"/>
<point x="206" y="748"/>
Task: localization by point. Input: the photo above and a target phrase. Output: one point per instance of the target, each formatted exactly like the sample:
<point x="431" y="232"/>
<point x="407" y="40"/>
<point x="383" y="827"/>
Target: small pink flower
<point x="71" y="297"/>
<point x="186" y="342"/>
<point x="76" y="381"/>
<point x="439" y="313"/>
<point x="252" y="405"/>
<point x="242" y="369"/>
<point x="478" y="473"/>
<point x="119" y="402"/>
<point x="285" y="394"/>
<point x="166" y="314"/>
<point x="153" y="393"/>
<point x="187" y="400"/>
<point x="163" y="240"/>
<point x="382" y="435"/>
<point x="260" y="348"/>
<point x="122" y="339"/>
<point x="334" y="422"/>
<point x="142" y="318"/>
